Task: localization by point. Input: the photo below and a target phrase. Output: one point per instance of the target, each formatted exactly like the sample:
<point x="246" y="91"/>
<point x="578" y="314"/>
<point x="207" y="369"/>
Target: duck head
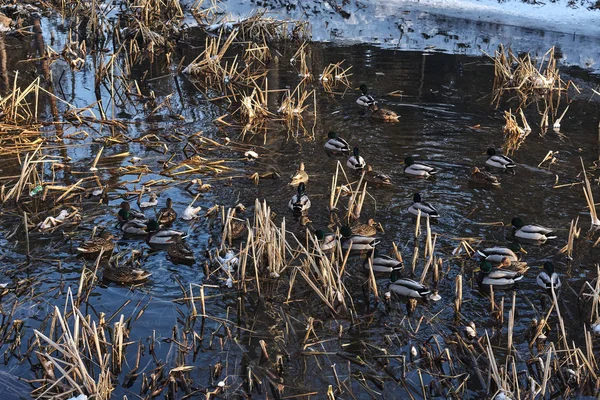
<point x="417" y="198"/>
<point x="364" y="89"/>
<point x="491" y="151"/>
<point x="320" y="234"/>
<point x="517" y="222"/>
<point x="332" y="135"/>
<point x="345" y="231"/>
<point x="356" y="152"/>
<point x="152" y="226"/>
<point x="408" y="161"/>
<point x="486" y="267"/>
<point x="395" y="274"/>
<point x="169" y="203"/>
<point x="549" y="268"/>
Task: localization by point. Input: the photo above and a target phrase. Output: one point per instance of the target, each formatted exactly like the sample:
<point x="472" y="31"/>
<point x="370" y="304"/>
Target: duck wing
<point x="532" y="228"/>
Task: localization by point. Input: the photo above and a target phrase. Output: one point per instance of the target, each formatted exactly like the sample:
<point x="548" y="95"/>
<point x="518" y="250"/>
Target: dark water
<point x="443" y="98"/>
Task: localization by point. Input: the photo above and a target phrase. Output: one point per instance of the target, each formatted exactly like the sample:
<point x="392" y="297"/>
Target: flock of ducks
<point x="157" y="233"/>
<point x="499" y="267"/>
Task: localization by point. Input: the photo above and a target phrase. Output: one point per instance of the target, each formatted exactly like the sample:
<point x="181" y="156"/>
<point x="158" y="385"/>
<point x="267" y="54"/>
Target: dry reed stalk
<point x="458" y="293"/>
<point x="514" y="135"/>
<point x="589" y="197"/>
<point x="574" y="232"/>
<point x="335" y="74"/>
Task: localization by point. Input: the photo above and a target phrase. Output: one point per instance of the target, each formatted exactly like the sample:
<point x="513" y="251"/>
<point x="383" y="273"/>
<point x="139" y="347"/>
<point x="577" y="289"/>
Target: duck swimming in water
<point x="426" y="209"/>
<point x="336" y="144"/>
<point x="531" y="232"/>
<point x="365" y="99"/>
<point x="419" y="170"/>
<point x="499" y="161"/>
<point x="355" y="161"/>
<point x="300" y="202"/>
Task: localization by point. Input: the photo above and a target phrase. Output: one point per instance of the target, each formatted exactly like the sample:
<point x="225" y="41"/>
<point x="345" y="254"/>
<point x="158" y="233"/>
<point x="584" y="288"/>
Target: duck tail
<point x="551" y="235"/>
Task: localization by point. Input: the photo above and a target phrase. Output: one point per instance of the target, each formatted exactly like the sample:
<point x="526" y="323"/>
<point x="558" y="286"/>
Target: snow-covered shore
<point x="460" y="26"/>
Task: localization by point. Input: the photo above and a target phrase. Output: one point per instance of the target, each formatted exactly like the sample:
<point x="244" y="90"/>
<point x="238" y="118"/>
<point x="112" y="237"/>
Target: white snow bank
<point x="459" y="26"/>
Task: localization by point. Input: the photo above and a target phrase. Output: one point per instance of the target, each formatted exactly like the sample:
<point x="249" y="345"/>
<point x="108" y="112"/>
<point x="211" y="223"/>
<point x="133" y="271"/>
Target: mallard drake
<point x="365" y="99"/>
<point x="126" y="213"/>
<point x="336" y="144"/>
<point x="300" y="176"/>
<point x="381" y="263"/>
<point x="383" y="114"/>
<point x="359" y="243"/>
<point x="548" y="279"/>
<point x="427" y="210"/>
<point x="483" y="178"/>
<point x="531" y="232"/>
<point x="299" y="202"/>
<point x="418" y="169"/>
<point x="368" y="229"/>
<point x="327" y="241"/>
<point x="497" y="254"/>
<point x="93" y="246"/>
<point x="134" y="227"/>
<point x="125" y="275"/>
<point x="161" y="237"/>
<point x="355" y="161"/>
<point x="166" y="215"/>
<point x="153" y="202"/>
<point x="499" y="161"/>
<point x="180" y="252"/>
<point x="377" y="177"/>
<point x="409" y="288"/>
<point x="496" y="277"/>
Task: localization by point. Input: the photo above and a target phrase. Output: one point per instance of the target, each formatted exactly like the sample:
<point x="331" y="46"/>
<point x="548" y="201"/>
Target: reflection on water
<point x="445" y="120"/>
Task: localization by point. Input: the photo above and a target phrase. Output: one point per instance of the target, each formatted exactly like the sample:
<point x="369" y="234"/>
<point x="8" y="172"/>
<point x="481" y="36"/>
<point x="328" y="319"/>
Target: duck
<point x="483" y="178"/>
<point x="359" y="243"/>
<point x="126" y="213"/>
<point x="427" y="210"/>
<point x="166" y="215"/>
<point x="377" y="177"/>
<point x="410" y="288"/>
<point x="327" y="241"/>
<point x="355" y="161"/>
<point x="153" y="202"/>
<point x="517" y="266"/>
<point x="158" y="236"/>
<point x="499" y="161"/>
<point x="365" y="99"/>
<point x="496" y="277"/>
<point x="179" y="252"/>
<point x="300" y="202"/>
<point x="496" y="254"/>
<point x="383" y="114"/>
<point x="548" y="279"/>
<point x="418" y="169"/>
<point x="125" y="275"/>
<point x="381" y="263"/>
<point x="134" y="227"/>
<point x="94" y="246"/>
<point x="531" y="232"/>
<point x="336" y="144"/>
<point x="368" y="229"/>
<point x="237" y="229"/>
<point x="300" y="176"/>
